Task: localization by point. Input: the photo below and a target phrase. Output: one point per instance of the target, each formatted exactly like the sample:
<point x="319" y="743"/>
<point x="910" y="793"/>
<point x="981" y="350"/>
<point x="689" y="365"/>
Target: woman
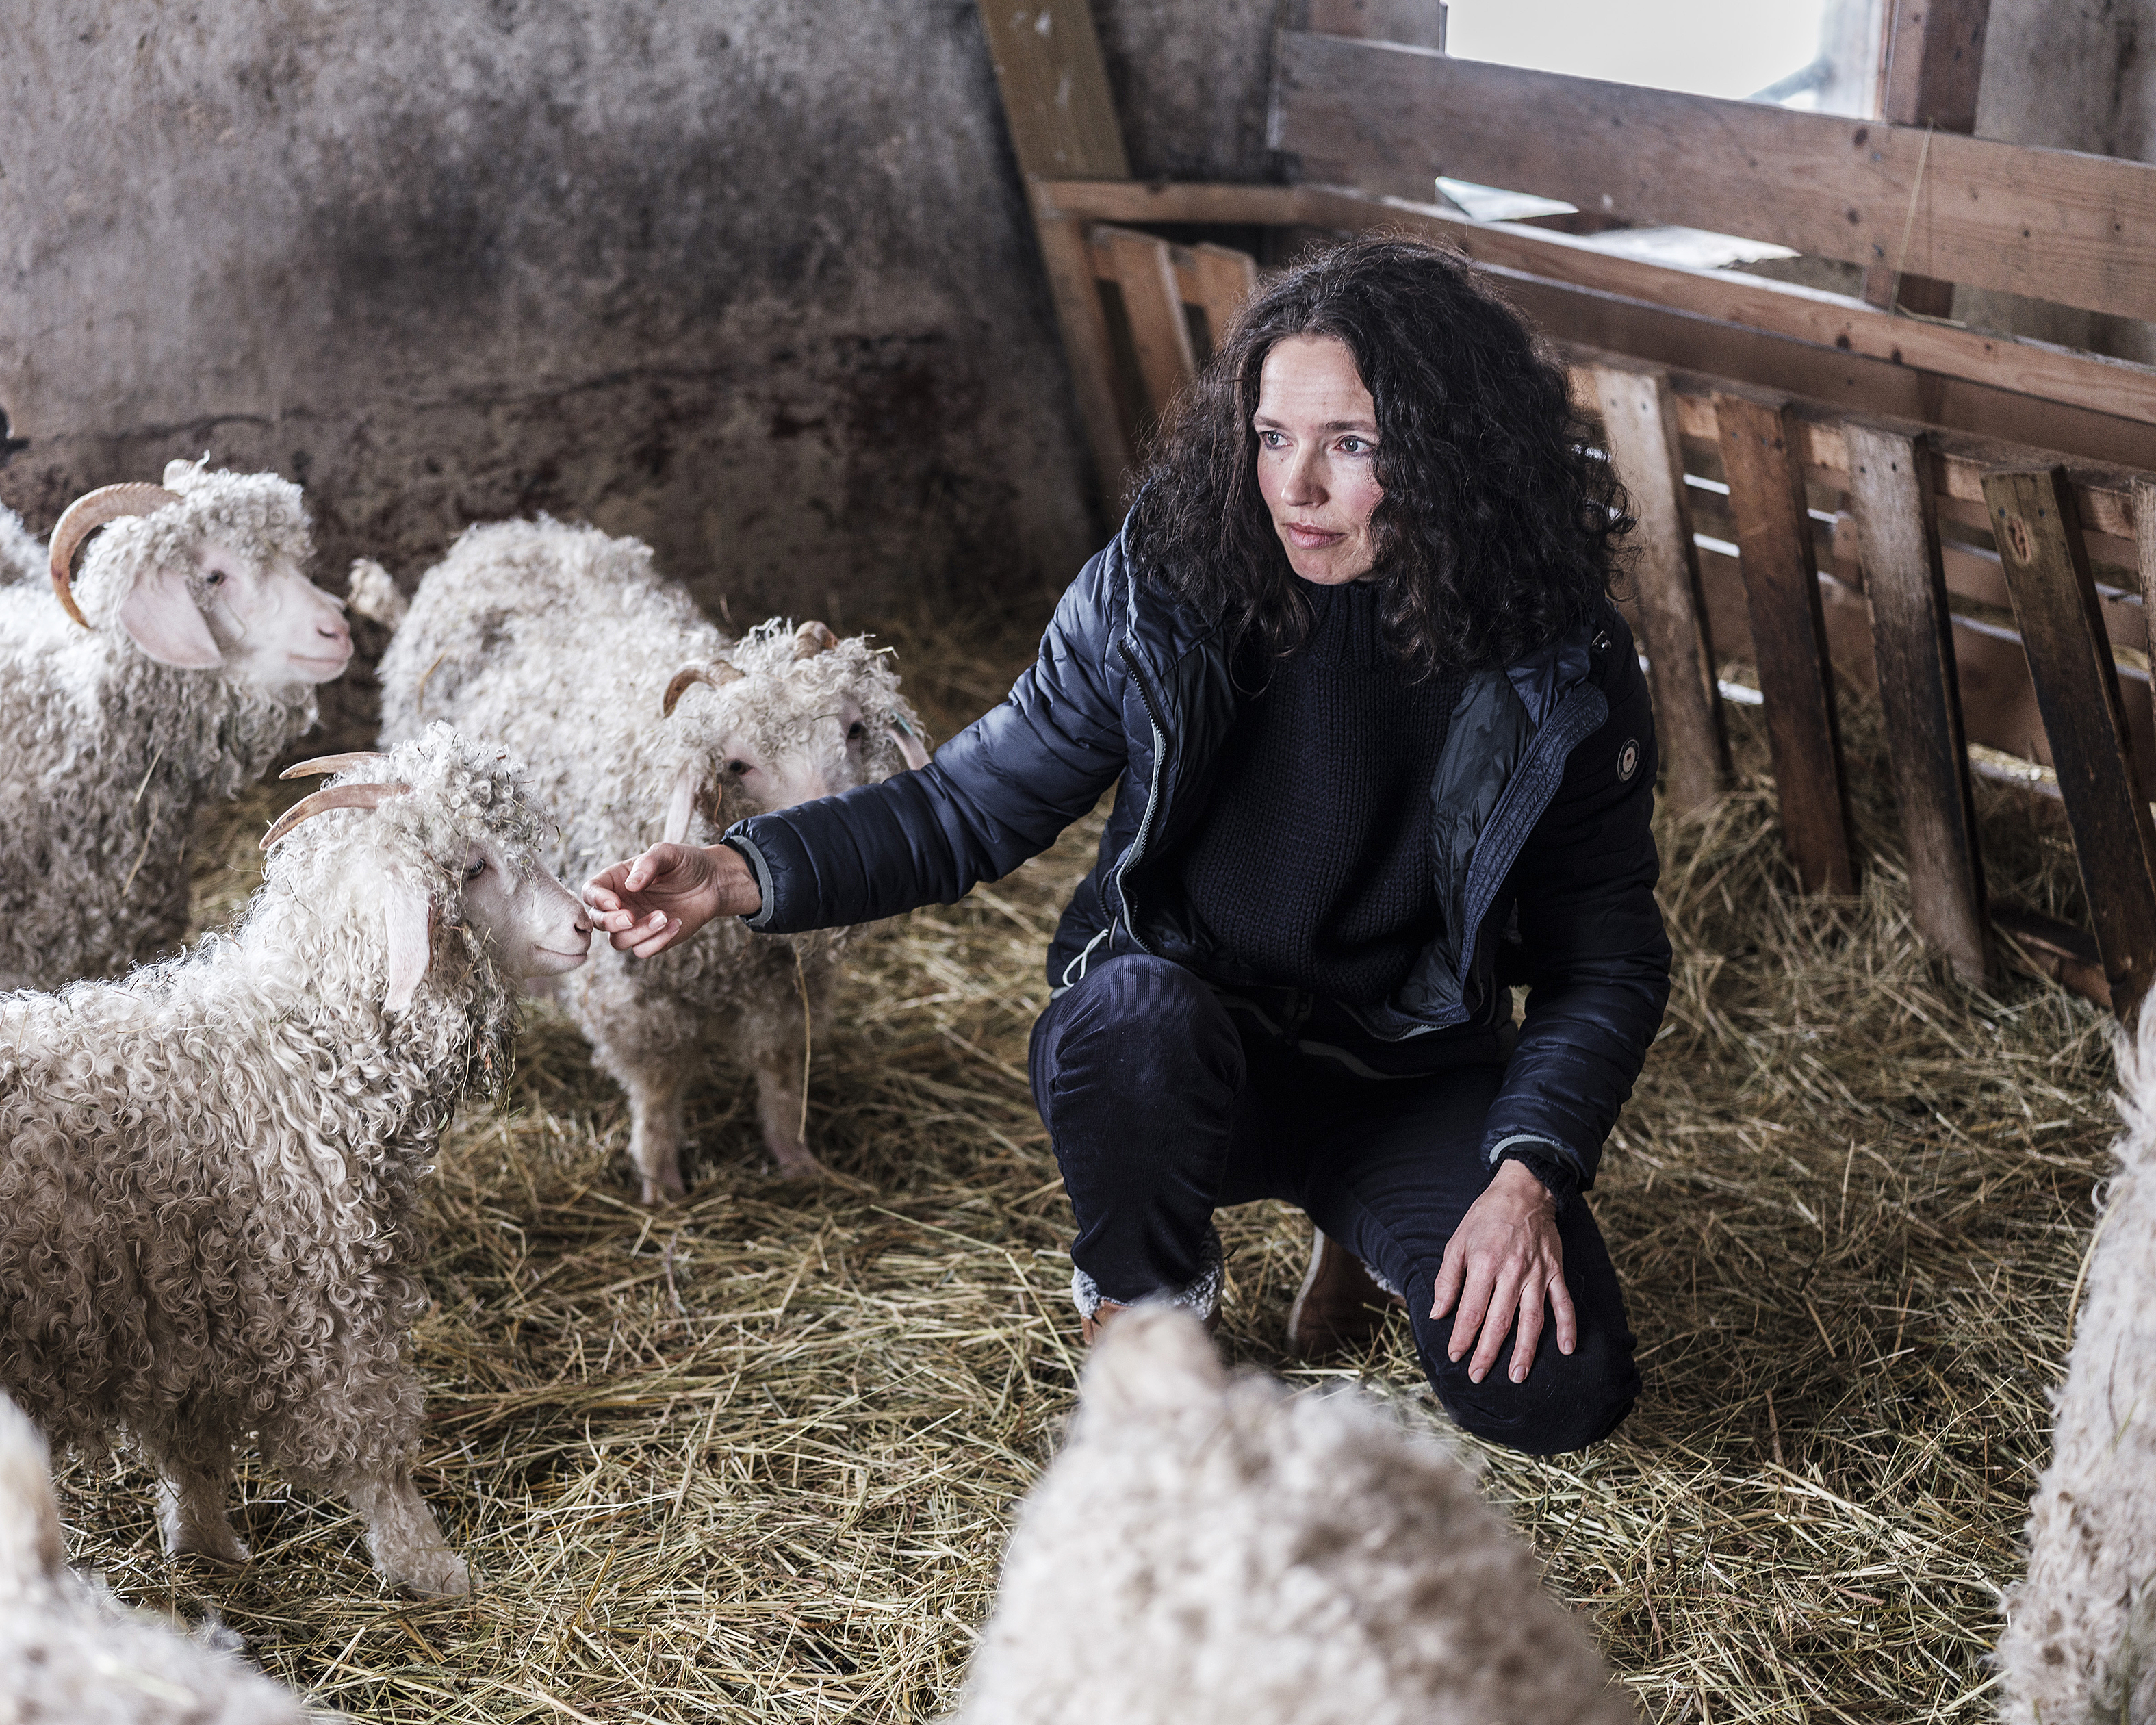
<point x="1384" y="748"/>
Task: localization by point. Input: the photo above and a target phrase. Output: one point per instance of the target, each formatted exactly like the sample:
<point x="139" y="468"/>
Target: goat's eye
<point x="474" y="868"/>
<point x="738" y="768"/>
<point x="856" y="730"/>
<point x="214" y="578"/>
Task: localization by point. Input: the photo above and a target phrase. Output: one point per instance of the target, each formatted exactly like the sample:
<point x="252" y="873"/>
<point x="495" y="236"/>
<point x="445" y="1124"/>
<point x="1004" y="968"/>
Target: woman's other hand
<point x="648" y="903"/>
<point x="1504" y="1260"/>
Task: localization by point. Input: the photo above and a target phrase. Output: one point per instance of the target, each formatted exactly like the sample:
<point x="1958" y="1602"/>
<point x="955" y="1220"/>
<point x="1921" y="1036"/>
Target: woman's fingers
<point x="1451" y="1273"/>
<point x="1474" y="1307"/>
<point x="1568" y="1321"/>
<point x="1504" y="1302"/>
<point x="1530" y="1331"/>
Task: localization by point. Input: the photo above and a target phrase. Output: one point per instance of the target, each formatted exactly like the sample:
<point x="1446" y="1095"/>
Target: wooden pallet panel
<point x="1144" y="273"/>
<point x="2055" y="606"/>
<point x="1215" y="279"/>
<point x="1639" y="428"/>
<point x="1789" y="640"/>
<point x="1933" y="67"/>
<point x="1913" y="646"/>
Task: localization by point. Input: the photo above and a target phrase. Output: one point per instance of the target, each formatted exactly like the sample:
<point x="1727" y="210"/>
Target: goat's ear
<point x="407" y="913"/>
<point x="905" y="733"/>
<point x="160" y="617"/>
<point x="681" y="804"/>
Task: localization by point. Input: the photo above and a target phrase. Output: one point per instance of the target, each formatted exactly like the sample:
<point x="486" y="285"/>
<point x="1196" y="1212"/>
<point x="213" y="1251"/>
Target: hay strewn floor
<point x="754" y="1457"/>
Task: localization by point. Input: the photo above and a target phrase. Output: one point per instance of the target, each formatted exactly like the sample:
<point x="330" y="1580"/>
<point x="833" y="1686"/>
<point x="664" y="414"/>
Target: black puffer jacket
<point x="1542" y="856"/>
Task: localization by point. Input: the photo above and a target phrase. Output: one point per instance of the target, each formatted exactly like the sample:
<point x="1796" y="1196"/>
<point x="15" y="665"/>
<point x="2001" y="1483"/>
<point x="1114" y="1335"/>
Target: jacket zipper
<point x="1153" y="793"/>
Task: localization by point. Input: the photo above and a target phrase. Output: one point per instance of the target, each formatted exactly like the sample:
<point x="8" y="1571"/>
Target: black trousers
<point x="1164" y="1105"/>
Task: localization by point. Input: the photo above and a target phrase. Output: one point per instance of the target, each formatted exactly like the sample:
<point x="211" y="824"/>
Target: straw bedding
<point x="754" y="1457"/>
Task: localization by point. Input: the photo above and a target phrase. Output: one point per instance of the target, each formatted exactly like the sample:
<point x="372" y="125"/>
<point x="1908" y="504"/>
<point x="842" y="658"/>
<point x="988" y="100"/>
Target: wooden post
<point x="1640" y="424"/>
<point x="1139" y="266"/>
<point x="1929" y="75"/>
<point x="1913" y="645"/>
<point x="1789" y="637"/>
<point x="2077" y="679"/>
<point x="1215" y="279"/>
<point x="1063" y="125"/>
<point x="2144" y="548"/>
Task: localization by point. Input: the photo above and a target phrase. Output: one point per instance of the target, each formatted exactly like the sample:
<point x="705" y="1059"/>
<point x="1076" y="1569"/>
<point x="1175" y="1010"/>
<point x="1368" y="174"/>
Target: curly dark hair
<point x="1498" y="525"/>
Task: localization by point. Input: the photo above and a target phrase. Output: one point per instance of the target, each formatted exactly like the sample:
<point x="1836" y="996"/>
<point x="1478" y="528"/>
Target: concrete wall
<point x="751" y="279"/>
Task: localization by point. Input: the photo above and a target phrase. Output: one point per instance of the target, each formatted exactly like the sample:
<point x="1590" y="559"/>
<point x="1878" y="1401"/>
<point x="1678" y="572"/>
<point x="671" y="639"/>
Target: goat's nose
<point x="336" y="629"/>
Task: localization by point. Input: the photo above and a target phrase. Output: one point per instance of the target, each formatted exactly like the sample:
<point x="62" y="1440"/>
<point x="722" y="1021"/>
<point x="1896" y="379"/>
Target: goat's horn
<point x="335" y="796"/>
<point x="813" y="638"/>
<point x="719" y="675"/>
<point x="323" y="765"/>
<point x="85" y="517"/>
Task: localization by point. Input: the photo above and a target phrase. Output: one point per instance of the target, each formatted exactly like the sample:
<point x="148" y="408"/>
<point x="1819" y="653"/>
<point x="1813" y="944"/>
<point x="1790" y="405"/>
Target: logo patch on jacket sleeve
<point x="1628" y="760"/>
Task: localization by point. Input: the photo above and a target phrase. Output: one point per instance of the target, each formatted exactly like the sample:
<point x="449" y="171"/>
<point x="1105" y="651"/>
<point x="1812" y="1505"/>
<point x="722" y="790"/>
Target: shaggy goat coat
<point x="207" y="1171"/>
<point x="2080" y="1643"/>
<point x="1206" y="1551"/>
<point x="111" y="754"/>
<point x="70" y="1652"/>
<point x="565" y="643"/>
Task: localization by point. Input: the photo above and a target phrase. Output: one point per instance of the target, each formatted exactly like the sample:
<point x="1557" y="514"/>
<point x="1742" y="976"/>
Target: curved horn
<point x="335" y="796"/>
<point x="719" y="675"/>
<point x="85" y="517"/>
<point x="813" y="638"/>
<point x="323" y="765"/>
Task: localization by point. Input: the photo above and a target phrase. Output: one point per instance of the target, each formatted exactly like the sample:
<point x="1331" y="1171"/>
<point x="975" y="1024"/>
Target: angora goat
<point x="2080" y="1645"/>
<point x="1213" y="1553"/>
<point x="70" y="1651"/>
<point x="207" y="1171"/>
<point x="639" y="720"/>
<point x="169" y="674"/>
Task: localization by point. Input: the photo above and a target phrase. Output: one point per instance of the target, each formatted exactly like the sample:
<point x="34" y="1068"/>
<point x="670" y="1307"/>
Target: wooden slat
<point x="2055" y="225"/>
<point x="1066" y="253"/>
<point x="1932" y="69"/>
<point x="1912" y="647"/>
<point x="1062" y="119"/>
<point x="1215" y="279"/>
<point x="1139" y="266"/>
<point x="1874" y="362"/>
<point x="2056" y="949"/>
<point x="1789" y="641"/>
<point x="2144" y="536"/>
<point x="2055" y="604"/>
<point x="1639" y="426"/>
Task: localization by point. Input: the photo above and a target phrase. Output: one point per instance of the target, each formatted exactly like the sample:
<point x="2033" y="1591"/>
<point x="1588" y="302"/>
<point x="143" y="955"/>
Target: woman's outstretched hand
<point x="1505" y="1259"/>
<point x="648" y="903"/>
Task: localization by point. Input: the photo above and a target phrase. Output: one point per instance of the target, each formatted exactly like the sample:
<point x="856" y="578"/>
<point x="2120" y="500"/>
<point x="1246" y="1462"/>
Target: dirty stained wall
<point x="751" y="280"/>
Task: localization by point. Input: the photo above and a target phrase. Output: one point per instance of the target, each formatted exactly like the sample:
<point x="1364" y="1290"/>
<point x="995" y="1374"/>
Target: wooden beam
<point x="1420" y="24"/>
<point x="1929" y="76"/>
<point x="2145" y="545"/>
<point x="1640" y="427"/>
<point x="1789" y="641"/>
<point x="2055" y="605"/>
<point x="1913" y="648"/>
<point x="1160" y="339"/>
<point x="2054" y="225"/>
<point x="1883" y="359"/>
<point x="1215" y="279"/>
<point x="1066" y="253"/>
<point x="2058" y="950"/>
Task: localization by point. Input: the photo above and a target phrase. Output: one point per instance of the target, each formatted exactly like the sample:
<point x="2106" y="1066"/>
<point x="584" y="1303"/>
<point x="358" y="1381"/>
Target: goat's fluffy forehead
<point x="463" y="789"/>
<point x="784" y="695"/>
<point x="257" y="515"/>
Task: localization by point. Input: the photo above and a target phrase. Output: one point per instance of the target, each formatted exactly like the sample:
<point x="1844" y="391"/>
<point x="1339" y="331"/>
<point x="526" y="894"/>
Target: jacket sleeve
<point x="1592" y="950"/>
<point x="998" y="793"/>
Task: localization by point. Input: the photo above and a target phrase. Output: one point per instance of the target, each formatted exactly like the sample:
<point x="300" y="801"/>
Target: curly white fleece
<point x="207" y="1171"/>
<point x="1206" y="1551"/>
<point x="561" y="641"/>
<point x="110" y="754"/>
<point x="2080" y="1643"/>
<point x="70" y="1651"/>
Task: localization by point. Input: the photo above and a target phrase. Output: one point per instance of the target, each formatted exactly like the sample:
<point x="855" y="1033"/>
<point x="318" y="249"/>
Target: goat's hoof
<point x="437" y="1574"/>
<point x="796" y="1162"/>
<point x="219" y="1545"/>
<point x="656" y="1191"/>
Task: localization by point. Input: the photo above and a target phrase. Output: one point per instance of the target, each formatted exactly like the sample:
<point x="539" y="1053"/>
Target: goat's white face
<point x="535" y="925"/>
<point x="834" y="758"/>
<point x="270" y="626"/>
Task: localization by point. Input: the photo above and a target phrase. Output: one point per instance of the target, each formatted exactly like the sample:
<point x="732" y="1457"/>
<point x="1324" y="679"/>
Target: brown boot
<point x="1340" y="1308"/>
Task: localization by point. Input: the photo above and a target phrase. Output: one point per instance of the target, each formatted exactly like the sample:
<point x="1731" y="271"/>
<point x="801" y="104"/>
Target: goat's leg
<point x="402" y="1536"/>
<point x="649" y="1050"/>
<point x="191" y="1512"/>
<point x="774" y="1040"/>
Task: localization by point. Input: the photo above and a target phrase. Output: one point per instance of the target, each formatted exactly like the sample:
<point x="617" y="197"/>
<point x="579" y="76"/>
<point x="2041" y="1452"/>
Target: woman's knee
<point x="1140" y="1024"/>
<point x="1566" y="1402"/>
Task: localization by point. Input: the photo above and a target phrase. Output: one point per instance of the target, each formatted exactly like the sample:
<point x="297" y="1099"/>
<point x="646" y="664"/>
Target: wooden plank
<point x="1067" y="254"/>
<point x="2104" y="407"/>
<point x="1062" y="119"/>
<point x="2058" y="950"/>
<point x="1912" y="647"/>
<point x="1789" y="641"/>
<point x="1215" y="279"/>
<point x="1932" y="71"/>
<point x="1420" y="24"/>
<point x="2145" y="541"/>
<point x="1139" y="266"/>
<point x="2055" y="605"/>
<point x="1640" y="427"/>
<point x="2055" y="225"/>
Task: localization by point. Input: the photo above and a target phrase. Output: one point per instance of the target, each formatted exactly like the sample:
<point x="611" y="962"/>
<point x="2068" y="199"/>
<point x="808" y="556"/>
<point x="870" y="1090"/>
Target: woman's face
<point x="1317" y="446"/>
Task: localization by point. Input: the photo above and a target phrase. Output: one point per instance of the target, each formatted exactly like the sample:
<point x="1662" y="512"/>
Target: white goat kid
<point x="1206" y="1551"/>
<point x="208" y="1170"/>
<point x="169" y="674"/>
<point x="69" y="1650"/>
<point x="640" y="720"/>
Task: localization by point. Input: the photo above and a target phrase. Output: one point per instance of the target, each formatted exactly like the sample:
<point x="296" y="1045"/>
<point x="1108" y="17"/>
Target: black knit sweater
<point x="1312" y="862"/>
